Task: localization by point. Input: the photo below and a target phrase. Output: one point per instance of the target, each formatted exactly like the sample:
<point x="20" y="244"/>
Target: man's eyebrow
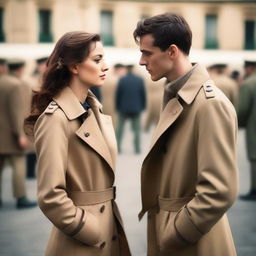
<point x="145" y="51"/>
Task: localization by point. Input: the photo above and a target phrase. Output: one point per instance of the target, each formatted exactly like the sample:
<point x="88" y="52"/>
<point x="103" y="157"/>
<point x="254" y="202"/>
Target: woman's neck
<point x="79" y="89"/>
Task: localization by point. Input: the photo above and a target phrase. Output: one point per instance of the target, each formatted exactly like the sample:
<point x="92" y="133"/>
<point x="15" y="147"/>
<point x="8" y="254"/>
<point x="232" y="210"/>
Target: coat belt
<point x="80" y="198"/>
<point x="167" y="204"/>
<point x="173" y="204"/>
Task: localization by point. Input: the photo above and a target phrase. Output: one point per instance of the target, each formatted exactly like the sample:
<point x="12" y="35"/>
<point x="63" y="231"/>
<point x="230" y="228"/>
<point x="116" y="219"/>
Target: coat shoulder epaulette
<point x="51" y="107"/>
<point x="209" y="89"/>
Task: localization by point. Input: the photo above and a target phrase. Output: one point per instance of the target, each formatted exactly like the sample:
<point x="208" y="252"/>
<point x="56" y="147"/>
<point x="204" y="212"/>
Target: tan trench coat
<point x="189" y="177"/>
<point x="76" y="162"/>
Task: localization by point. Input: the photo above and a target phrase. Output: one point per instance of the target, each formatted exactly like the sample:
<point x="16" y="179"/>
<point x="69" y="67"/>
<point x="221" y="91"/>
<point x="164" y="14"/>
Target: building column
<point x="230" y="37"/>
<point x="20" y="21"/>
<point x="125" y="21"/>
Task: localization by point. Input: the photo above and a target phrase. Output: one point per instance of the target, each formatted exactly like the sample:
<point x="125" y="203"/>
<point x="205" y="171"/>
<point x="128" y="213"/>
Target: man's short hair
<point x="166" y="29"/>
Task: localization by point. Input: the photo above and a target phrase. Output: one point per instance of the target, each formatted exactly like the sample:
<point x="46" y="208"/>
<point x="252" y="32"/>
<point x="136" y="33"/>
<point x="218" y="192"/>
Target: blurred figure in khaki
<point x="35" y="84"/>
<point x="14" y="96"/>
<point x="108" y="91"/>
<point x="130" y="101"/>
<point x="155" y="92"/>
<point x="37" y="75"/>
<point x="189" y="176"/>
<point x="218" y="73"/>
<point x="247" y="120"/>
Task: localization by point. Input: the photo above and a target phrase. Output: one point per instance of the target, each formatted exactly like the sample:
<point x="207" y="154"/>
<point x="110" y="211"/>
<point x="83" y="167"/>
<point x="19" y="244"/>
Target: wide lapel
<point x="170" y="113"/>
<point x="173" y="109"/>
<point x="91" y="134"/>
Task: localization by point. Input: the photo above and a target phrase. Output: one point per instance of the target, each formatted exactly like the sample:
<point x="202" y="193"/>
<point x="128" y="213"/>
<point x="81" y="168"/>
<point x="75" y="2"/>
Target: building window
<point x="2" y="37"/>
<point x="45" y="34"/>
<point x="211" y="40"/>
<point x="106" y="25"/>
<point x="250" y="35"/>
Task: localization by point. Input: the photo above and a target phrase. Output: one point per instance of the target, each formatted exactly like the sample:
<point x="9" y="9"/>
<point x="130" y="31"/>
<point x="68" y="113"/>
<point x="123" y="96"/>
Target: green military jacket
<point x="247" y="113"/>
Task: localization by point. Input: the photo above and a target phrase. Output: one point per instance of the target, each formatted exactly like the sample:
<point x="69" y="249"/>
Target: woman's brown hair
<point x="72" y="48"/>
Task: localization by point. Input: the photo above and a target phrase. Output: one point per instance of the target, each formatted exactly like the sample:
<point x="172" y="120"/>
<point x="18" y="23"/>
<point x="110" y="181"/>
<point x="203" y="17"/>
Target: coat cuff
<point x="186" y="228"/>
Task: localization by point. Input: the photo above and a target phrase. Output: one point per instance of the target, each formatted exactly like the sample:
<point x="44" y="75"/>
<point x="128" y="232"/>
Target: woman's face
<point x="91" y="72"/>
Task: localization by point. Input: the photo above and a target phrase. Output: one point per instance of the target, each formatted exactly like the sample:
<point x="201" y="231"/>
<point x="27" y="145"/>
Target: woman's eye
<point x="97" y="60"/>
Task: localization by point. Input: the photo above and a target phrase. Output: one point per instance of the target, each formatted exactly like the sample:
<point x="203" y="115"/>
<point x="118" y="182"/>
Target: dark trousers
<point x="135" y="124"/>
<point x="31" y="165"/>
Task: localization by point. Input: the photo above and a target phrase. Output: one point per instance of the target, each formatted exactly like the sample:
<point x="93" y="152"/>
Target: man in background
<point x="247" y="120"/>
<point x="218" y="72"/>
<point x="14" y="102"/>
<point x="130" y="101"/>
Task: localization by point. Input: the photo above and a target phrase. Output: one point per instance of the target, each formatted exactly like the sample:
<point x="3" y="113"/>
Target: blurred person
<point x="235" y="75"/>
<point x="189" y="176"/>
<point x="97" y="92"/>
<point x="76" y="149"/>
<point x="130" y="100"/>
<point x="36" y="82"/>
<point x="37" y="75"/>
<point x="13" y="106"/>
<point x="108" y="91"/>
<point x="154" y="99"/>
<point x="218" y="73"/>
<point x="247" y="120"/>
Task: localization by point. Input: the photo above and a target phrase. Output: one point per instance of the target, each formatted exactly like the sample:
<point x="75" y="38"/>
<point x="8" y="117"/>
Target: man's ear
<point x="73" y="69"/>
<point x="173" y="51"/>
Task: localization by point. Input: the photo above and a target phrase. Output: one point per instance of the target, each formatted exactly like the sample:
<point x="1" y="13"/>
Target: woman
<point x="76" y="149"/>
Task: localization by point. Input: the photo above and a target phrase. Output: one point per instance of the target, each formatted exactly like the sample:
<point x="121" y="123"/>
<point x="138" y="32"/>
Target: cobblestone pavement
<point x="25" y="232"/>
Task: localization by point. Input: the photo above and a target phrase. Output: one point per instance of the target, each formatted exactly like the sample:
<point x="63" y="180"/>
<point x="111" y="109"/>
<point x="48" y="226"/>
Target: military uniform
<point x="247" y="120"/>
<point x="14" y="106"/>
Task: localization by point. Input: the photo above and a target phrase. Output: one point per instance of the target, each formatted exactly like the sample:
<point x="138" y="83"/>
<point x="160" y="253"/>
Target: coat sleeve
<point x="51" y="143"/>
<point x="216" y="187"/>
<point x="244" y="105"/>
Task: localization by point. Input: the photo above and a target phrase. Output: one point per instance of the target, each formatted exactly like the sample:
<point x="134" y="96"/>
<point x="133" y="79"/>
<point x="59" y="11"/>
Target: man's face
<point x="156" y="61"/>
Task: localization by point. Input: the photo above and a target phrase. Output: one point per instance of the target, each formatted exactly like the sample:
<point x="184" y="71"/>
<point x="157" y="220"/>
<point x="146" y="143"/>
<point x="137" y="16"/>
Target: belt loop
<point x="114" y="192"/>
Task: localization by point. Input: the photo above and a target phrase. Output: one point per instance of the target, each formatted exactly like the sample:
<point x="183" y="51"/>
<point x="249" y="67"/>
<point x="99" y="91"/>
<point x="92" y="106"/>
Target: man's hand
<point x="23" y="142"/>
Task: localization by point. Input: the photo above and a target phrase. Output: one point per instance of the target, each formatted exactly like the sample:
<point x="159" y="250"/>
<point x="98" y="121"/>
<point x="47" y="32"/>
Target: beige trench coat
<point x="189" y="177"/>
<point x="76" y="159"/>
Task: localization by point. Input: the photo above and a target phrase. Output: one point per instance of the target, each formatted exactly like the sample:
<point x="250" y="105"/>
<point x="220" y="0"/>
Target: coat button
<point x="114" y="237"/>
<point x="86" y="134"/>
<point x="174" y="112"/>
<point x="102" y="245"/>
<point x="102" y="208"/>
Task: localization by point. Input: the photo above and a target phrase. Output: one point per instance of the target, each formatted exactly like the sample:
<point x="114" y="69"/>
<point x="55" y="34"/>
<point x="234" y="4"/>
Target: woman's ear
<point x="173" y="51"/>
<point x="73" y="69"/>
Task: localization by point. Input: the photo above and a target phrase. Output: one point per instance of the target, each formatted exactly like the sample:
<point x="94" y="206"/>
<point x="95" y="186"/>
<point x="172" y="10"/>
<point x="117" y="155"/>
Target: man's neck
<point x="181" y="67"/>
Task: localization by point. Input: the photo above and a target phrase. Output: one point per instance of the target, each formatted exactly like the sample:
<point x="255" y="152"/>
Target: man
<point x="130" y="102"/>
<point x="247" y="119"/>
<point x="189" y="177"/>
<point x="108" y="92"/>
<point x="218" y="73"/>
<point x="13" y="141"/>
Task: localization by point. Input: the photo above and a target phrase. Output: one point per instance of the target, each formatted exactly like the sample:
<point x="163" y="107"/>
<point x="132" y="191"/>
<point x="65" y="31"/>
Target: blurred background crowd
<point x="224" y="40"/>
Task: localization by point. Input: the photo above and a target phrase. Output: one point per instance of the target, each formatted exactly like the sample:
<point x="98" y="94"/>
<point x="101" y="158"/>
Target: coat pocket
<point x="90" y="232"/>
<point x="168" y="238"/>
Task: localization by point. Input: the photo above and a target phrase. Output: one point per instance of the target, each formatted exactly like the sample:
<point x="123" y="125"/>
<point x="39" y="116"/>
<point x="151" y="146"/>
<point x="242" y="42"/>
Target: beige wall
<point x="21" y="19"/>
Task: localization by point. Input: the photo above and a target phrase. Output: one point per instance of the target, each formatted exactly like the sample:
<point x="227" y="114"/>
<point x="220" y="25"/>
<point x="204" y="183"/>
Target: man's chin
<point x="154" y="78"/>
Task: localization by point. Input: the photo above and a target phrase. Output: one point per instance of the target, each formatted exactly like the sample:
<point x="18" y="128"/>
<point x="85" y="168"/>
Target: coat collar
<point x="174" y="108"/>
<point x="190" y="89"/>
<point x="71" y="106"/>
<point x="69" y="103"/>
